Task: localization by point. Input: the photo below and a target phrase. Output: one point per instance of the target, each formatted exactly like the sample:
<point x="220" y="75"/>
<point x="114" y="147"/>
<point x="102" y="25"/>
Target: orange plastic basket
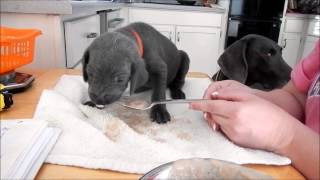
<point x="17" y="47"/>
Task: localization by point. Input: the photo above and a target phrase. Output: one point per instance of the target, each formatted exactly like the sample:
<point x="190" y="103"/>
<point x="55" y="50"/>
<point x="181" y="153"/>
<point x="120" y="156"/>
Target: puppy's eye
<point x="118" y="80"/>
<point x="271" y="52"/>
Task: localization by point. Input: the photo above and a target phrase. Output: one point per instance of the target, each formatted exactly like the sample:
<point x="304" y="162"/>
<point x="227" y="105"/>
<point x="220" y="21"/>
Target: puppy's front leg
<point x="158" y="77"/>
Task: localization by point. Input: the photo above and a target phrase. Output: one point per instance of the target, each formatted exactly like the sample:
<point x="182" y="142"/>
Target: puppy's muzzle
<point x="103" y="99"/>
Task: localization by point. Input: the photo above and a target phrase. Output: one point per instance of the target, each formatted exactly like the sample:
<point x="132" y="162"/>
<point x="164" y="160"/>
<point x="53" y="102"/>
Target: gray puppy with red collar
<point x="138" y="54"/>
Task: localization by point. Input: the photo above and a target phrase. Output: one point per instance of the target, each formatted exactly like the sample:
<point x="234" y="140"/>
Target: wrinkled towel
<point x="126" y="140"/>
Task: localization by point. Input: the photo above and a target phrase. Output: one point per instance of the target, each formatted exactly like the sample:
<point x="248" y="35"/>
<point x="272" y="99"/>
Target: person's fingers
<point x="213" y="124"/>
<point x="211" y="106"/>
<point x="226" y="131"/>
<point x="231" y="95"/>
<point x="206" y="116"/>
<point x="210" y="121"/>
<point x="214" y="95"/>
<point x="215" y="86"/>
<point x="215" y="108"/>
<point x="219" y="120"/>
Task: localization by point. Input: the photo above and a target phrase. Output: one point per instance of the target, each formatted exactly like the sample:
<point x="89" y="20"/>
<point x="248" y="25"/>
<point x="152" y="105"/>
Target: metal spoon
<point x="144" y="105"/>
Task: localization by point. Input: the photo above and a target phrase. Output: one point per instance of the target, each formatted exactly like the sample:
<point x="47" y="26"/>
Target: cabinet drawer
<point x="175" y="17"/>
<point x="78" y="36"/>
<point x="294" y="25"/>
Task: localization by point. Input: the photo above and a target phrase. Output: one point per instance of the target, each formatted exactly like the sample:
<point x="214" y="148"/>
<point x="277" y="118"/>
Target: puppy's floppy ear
<point x="139" y="75"/>
<point x="233" y="61"/>
<point x="85" y="60"/>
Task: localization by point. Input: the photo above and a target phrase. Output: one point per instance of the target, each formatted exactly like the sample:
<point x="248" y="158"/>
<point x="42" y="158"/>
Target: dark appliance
<point x="261" y="17"/>
<point x="175" y="2"/>
<point x="172" y="2"/>
<point x="15" y="81"/>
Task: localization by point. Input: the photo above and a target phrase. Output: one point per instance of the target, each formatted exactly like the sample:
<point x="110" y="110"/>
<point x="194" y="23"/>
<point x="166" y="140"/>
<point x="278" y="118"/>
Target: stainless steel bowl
<point x="202" y="168"/>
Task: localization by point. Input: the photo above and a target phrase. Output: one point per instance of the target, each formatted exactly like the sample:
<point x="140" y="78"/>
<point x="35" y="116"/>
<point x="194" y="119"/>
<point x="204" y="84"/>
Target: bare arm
<point x="288" y="98"/>
<point x="304" y="151"/>
<point x="281" y="131"/>
<point x="304" y="147"/>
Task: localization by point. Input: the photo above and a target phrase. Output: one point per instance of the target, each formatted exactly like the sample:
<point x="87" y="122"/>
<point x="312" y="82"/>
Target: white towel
<point x="125" y="140"/>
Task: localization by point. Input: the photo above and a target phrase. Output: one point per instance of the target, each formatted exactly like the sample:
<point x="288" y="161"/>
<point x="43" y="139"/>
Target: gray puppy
<point x="138" y="54"/>
<point x="256" y="61"/>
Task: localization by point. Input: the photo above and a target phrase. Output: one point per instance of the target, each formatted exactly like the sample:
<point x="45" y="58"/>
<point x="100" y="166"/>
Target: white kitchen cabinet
<point x="294" y="25"/>
<point x="299" y="36"/>
<point x="291" y="44"/>
<point x="291" y="40"/>
<point x="197" y="33"/>
<point x="313" y="27"/>
<point x="79" y="34"/>
<point x="312" y="36"/>
<point x="309" y="44"/>
<point x="202" y="45"/>
<point x="167" y="30"/>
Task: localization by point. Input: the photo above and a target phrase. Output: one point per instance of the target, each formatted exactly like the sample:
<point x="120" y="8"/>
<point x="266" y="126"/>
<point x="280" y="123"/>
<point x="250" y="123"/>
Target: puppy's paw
<point x="177" y="94"/>
<point x="89" y="103"/>
<point x="160" y="114"/>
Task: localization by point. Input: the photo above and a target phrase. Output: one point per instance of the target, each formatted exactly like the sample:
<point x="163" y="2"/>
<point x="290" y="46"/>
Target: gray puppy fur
<point x="113" y="60"/>
<point x="256" y="61"/>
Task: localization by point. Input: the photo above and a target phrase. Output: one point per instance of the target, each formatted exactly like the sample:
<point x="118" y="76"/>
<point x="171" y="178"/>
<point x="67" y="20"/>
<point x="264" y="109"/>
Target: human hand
<point x="226" y="85"/>
<point x="221" y="86"/>
<point x="248" y="120"/>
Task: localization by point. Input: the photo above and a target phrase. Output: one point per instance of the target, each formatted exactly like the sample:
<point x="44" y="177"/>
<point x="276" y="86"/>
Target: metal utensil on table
<point x="144" y="105"/>
<point x="203" y="168"/>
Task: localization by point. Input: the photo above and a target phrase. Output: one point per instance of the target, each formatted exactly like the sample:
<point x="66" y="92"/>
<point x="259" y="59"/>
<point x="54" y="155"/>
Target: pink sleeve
<point x="306" y="70"/>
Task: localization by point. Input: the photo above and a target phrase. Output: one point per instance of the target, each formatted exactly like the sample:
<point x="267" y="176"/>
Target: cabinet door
<point x="202" y="46"/>
<point x="166" y="30"/>
<point x="78" y="36"/>
<point x="309" y="44"/>
<point x="291" y="44"/>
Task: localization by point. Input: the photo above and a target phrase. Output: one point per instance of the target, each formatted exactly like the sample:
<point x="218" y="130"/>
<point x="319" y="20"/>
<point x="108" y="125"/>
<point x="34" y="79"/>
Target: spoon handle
<point x="178" y="101"/>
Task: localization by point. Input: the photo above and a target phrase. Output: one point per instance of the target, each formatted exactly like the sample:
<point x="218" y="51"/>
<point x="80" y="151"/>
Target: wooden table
<point x="24" y="107"/>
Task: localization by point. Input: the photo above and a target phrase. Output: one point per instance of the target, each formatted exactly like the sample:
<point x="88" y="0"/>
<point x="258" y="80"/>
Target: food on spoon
<point x="100" y="106"/>
<point x="140" y="104"/>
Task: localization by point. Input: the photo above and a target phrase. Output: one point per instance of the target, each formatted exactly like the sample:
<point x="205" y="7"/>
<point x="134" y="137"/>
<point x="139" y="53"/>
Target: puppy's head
<point x="255" y="59"/>
<point x="109" y="64"/>
<point x="265" y="63"/>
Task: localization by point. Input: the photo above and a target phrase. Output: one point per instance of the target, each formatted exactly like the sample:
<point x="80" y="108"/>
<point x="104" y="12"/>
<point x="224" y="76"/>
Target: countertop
<point x="34" y="6"/>
<point x="85" y="8"/>
<point x="78" y="6"/>
<point x="25" y="104"/>
<point x="65" y="7"/>
<point x="302" y="16"/>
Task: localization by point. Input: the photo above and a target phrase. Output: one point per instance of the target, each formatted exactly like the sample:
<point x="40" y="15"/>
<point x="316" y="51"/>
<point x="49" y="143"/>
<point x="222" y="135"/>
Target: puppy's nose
<point x="107" y="96"/>
<point x="97" y="99"/>
<point x="93" y="96"/>
<point x="110" y="98"/>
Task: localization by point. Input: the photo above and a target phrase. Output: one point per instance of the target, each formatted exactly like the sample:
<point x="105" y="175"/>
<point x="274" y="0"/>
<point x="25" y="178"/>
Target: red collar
<point x="139" y="41"/>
